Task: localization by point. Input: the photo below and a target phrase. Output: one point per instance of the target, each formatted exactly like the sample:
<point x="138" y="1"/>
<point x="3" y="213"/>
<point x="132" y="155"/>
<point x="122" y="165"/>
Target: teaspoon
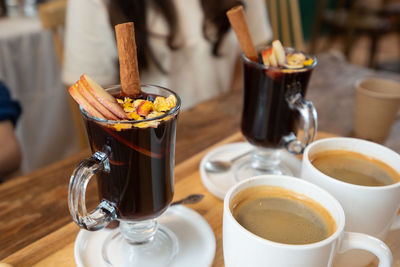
<point x="190" y="199"/>
<point x="221" y="165"/>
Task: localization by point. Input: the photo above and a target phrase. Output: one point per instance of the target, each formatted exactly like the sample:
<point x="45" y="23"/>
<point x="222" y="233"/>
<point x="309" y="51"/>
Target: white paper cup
<point x="377" y="104"/>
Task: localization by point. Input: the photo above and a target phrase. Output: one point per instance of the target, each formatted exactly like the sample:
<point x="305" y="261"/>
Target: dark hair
<point x="215" y="23"/>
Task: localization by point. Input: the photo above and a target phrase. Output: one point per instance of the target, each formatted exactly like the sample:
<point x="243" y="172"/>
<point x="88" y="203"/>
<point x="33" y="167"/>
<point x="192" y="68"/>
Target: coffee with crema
<point x="282" y="216"/>
<point x="355" y="168"/>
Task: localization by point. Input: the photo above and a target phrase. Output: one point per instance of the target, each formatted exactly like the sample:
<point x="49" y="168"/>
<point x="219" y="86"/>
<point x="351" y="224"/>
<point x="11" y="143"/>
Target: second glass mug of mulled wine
<point x="134" y="165"/>
<point x="273" y="109"/>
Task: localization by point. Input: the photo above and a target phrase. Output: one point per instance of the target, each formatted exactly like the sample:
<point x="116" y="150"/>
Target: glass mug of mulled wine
<point x="283" y="221"/>
<point x="273" y="108"/>
<point x="134" y="165"/>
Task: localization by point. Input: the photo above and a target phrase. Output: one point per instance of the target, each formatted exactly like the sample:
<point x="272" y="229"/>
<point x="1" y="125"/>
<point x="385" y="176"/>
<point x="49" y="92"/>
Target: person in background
<point x="184" y="45"/>
<point x="10" y="152"/>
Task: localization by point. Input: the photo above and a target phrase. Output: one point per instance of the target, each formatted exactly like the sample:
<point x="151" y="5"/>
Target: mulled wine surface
<point x="140" y="180"/>
<point x="266" y="116"/>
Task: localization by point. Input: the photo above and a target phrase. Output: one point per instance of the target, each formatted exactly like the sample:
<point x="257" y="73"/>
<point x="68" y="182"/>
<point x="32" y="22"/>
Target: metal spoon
<point x="222" y="166"/>
<point x="190" y="199"/>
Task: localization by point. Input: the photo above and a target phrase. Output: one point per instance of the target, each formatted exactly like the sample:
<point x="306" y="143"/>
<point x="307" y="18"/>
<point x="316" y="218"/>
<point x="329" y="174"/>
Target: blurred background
<point x="364" y="33"/>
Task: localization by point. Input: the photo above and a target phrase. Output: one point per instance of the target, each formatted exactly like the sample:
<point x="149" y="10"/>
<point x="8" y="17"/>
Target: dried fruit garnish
<point x="100" y="104"/>
<point x="274" y="56"/>
<point x="144" y="108"/>
<point x="140" y="109"/>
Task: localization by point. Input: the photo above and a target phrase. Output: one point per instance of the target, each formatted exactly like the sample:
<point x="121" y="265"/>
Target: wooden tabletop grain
<point x="34" y="206"/>
<point x="57" y="248"/>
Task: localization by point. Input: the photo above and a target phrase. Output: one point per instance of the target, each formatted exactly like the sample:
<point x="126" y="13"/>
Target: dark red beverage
<point x="139" y="181"/>
<point x="267" y="116"/>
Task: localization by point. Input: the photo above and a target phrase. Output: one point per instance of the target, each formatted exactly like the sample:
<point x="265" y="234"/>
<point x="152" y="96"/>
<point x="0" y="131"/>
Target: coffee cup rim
<point x="307" y="152"/>
<point x="383" y="95"/>
<point x="340" y="222"/>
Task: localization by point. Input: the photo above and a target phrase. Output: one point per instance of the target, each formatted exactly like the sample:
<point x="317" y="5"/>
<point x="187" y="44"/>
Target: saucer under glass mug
<point x="134" y="167"/>
<point x="274" y="110"/>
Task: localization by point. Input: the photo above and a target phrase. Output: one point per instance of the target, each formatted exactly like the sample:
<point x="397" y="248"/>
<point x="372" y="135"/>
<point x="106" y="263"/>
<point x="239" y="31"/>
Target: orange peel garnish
<point x="137" y="102"/>
<point x="161" y="104"/>
<point x="144" y="108"/>
<point x="308" y="62"/>
<point x="145" y="124"/>
<point x="171" y="99"/>
<point x="133" y="115"/>
<point x="122" y="126"/>
<point x="154" y="114"/>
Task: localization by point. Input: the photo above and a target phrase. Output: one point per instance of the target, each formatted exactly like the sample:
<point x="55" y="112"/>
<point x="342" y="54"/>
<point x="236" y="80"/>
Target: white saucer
<point x="219" y="183"/>
<point x="196" y="240"/>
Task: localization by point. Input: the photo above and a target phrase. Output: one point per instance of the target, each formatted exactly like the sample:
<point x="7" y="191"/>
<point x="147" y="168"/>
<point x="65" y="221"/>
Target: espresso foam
<point x="355" y="168"/>
<point x="281" y="215"/>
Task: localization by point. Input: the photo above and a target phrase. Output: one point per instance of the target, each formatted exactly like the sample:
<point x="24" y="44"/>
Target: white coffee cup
<point x="369" y="209"/>
<point x="243" y="248"/>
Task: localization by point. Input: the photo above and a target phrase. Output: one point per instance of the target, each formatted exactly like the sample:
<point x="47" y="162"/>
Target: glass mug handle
<point x="105" y="212"/>
<point x="308" y="114"/>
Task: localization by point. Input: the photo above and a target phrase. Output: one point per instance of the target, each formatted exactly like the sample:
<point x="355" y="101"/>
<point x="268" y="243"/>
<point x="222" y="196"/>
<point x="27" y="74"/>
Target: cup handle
<point x="366" y="242"/>
<point x="396" y="223"/>
<point x="308" y="114"/>
<point x="105" y="212"/>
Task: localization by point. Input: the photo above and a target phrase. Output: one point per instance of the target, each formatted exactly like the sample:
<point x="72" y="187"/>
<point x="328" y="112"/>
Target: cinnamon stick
<point x="129" y="70"/>
<point x="238" y="22"/>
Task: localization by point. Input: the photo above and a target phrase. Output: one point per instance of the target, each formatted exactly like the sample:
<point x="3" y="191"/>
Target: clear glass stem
<point x="141" y="243"/>
<point x="137" y="233"/>
<point x="262" y="161"/>
<point x="265" y="159"/>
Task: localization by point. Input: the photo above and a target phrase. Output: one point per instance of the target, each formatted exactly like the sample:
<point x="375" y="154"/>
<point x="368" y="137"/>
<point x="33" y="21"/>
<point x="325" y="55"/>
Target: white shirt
<point x="192" y="71"/>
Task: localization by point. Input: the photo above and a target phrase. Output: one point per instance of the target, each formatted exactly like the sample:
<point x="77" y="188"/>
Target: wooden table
<point x="56" y="249"/>
<point x="36" y="226"/>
